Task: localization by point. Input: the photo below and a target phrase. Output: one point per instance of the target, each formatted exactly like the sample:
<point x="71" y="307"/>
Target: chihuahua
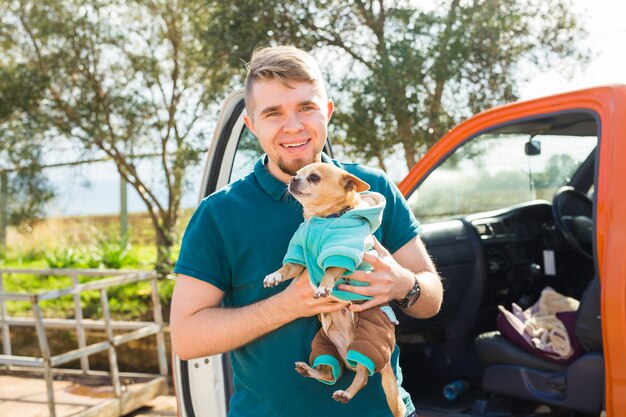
<point x="340" y="217"/>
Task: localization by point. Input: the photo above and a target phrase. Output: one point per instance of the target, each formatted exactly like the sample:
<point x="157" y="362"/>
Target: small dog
<point x="338" y="227"/>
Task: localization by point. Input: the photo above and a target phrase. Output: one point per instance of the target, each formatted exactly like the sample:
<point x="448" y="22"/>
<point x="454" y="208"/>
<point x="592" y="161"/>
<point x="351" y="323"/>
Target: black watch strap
<point x="412" y="295"/>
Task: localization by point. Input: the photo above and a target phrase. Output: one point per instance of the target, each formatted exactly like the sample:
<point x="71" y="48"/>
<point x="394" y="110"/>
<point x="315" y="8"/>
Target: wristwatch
<point x="412" y="296"/>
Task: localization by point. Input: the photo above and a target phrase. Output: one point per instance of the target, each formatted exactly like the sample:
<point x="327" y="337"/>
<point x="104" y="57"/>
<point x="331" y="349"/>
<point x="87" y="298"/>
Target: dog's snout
<point x="295" y="179"/>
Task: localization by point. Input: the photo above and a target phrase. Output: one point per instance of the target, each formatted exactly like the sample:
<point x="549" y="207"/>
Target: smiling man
<point x="240" y="234"/>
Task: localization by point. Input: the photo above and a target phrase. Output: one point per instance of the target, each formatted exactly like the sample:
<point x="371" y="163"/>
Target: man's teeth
<point x="294" y="145"/>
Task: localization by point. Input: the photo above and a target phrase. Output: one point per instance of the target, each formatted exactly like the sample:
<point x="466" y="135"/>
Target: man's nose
<point x="293" y="123"/>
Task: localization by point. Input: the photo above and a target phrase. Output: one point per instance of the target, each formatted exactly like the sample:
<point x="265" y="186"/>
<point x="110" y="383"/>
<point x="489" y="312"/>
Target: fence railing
<point x="126" y="331"/>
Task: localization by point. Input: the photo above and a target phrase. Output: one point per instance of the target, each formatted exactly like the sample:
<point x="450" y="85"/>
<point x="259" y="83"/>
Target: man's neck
<point x="277" y="173"/>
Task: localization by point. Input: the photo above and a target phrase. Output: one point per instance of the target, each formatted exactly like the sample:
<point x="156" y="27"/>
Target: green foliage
<point x="121" y="79"/>
<point x="405" y="73"/>
<point x="115" y="254"/>
<point x="61" y="257"/>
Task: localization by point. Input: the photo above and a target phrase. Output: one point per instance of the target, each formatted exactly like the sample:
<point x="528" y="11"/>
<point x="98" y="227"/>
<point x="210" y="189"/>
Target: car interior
<point x="509" y="253"/>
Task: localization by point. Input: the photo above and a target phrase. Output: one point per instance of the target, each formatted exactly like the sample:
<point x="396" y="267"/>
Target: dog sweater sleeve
<point x="295" y="251"/>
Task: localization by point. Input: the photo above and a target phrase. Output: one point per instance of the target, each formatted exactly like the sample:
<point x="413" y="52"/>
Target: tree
<point x="411" y="74"/>
<point x="21" y="88"/>
<point x="125" y="79"/>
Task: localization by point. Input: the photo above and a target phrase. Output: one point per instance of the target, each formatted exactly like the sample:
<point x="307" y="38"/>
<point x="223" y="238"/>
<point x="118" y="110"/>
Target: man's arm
<point x="415" y="259"/>
<point x="201" y="327"/>
<point x="393" y="277"/>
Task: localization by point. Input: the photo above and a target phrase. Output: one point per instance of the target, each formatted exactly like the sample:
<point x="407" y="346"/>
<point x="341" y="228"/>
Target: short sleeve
<point x="202" y="252"/>
<point x="399" y="224"/>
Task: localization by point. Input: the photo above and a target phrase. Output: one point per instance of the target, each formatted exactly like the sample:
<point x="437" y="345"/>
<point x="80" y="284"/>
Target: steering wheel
<point x="572" y="212"/>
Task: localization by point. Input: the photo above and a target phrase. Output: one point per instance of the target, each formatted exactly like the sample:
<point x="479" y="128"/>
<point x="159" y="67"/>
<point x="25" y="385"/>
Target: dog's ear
<point x="353" y="183"/>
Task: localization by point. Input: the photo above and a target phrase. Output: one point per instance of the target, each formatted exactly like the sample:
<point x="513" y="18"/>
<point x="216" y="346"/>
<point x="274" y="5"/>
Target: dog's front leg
<point x="360" y="380"/>
<point x="331" y="276"/>
<point x="287" y="271"/>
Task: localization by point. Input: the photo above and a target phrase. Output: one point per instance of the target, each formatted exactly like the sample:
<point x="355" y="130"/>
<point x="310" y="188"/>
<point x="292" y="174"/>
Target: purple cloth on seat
<point x="568" y="318"/>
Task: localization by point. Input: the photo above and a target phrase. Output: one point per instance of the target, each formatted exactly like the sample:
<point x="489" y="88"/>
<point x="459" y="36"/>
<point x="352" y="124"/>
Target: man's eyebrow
<point x="270" y="109"/>
<point x="306" y="103"/>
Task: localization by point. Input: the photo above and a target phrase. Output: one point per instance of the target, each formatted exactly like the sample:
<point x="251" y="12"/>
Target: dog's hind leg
<point x="391" y="391"/>
<point x="321" y="372"/>
<point x="360" y="380"/>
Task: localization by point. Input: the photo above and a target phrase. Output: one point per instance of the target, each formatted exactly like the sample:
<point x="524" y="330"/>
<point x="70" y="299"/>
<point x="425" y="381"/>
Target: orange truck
<point x="517" y="199"/>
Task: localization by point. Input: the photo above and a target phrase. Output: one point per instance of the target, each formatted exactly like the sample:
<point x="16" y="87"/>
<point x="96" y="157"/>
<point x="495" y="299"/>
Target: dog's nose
<point x="295" y="179"/>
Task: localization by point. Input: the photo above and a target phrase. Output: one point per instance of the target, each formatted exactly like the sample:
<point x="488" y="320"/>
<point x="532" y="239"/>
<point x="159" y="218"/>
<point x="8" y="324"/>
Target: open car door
<point x="516" y="199"/>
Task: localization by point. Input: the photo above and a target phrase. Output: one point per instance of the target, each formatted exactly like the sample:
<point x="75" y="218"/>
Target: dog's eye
<point x="313" y="178"/>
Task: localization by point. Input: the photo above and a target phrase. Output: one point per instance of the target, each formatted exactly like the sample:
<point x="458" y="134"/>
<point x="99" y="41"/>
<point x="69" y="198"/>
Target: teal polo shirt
<point x="240" y="234"/>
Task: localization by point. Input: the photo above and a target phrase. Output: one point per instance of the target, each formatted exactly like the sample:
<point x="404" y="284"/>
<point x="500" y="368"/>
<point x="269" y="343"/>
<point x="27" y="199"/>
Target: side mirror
<point x="532" y="147"/>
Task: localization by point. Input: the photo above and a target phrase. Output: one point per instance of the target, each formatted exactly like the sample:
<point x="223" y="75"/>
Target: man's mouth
<point x="295" y="144"/>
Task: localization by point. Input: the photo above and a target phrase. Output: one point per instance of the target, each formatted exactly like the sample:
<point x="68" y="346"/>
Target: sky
<point x="607" y="38"/>
<point x="603" y="19"/>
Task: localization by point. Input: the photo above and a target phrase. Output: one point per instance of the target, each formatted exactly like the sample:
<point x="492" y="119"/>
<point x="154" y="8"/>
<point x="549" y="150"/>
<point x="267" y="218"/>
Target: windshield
<point x="497" y="170"/>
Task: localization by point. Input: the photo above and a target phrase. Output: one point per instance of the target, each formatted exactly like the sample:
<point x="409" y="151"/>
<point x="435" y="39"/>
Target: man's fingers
<point x="372" y="259"/>
<point x="360" y="276"/>
<point x="362" y="307"/>
<point x="357" y="289"/>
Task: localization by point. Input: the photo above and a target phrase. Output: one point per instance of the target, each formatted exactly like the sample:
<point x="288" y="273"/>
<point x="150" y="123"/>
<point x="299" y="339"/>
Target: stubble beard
<point x="294" y="166"/>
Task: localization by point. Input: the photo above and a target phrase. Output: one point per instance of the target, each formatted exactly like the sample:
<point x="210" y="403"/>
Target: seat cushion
<point x="494" y="349"/>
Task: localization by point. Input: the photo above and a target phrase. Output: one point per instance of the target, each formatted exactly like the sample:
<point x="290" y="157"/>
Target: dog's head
<point x="324" y="189"/>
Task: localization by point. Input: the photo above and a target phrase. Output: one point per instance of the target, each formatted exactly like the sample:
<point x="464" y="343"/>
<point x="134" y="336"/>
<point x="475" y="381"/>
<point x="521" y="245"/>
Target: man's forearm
<point x="215" y="330"/>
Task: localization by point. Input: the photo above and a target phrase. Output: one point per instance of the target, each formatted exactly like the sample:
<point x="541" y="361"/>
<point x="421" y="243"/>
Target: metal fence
<point x="128" y="331"/>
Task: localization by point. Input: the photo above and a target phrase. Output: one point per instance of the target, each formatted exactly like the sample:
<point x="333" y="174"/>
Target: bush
<point x="61" y="257"/>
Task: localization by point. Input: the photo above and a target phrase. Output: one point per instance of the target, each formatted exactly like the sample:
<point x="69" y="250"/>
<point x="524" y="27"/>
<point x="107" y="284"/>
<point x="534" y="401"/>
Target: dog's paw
<point x="322" y="292"/>
<point x="341" y="396"/>
<point x="272" y="280"/>
<point x="303" y="369"/>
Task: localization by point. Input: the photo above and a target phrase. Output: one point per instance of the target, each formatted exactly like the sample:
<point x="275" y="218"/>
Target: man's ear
<point x="353" y="183"/>
<point x="330" y="107"/>
<point x="248" y="121"/>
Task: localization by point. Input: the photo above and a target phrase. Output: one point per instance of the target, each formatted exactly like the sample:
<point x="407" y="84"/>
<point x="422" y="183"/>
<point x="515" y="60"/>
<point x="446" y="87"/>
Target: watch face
<point x="414" y="294"/>
<point x="414" y="297"/>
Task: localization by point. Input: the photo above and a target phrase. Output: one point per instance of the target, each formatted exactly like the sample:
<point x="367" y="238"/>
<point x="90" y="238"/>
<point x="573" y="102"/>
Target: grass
<point x="85" y="242"/>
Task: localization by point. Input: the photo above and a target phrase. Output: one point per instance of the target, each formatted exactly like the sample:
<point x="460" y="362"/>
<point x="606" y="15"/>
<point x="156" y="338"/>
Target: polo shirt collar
<point x="270" y="184"/>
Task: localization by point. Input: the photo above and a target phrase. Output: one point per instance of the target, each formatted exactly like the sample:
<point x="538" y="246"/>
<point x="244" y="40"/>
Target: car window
<point x="497" y="170"/>
<point x="247" y="153"/>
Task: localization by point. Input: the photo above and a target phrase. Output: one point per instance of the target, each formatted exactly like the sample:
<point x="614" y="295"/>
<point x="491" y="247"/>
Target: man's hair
<point x="283" y="63"/>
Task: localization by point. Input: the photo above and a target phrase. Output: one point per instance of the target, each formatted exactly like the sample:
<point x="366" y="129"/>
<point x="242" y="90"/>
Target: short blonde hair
<point x="282" y="63"/>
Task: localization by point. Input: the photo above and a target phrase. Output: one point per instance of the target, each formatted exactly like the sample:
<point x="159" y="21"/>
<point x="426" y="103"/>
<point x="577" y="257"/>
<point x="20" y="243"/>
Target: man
<point x="240" y="234"/>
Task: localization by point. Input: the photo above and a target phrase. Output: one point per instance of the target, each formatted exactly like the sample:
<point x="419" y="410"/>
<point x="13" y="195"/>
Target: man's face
<point x="290" y="123"/>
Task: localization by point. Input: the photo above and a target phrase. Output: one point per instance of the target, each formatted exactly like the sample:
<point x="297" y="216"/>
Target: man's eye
<point x="313" y="178"/>
<point x="273" y="114"/>
<point x="307" y="108"/>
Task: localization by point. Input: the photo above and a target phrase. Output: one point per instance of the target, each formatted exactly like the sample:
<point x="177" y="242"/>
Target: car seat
<point x="578" y="386"/>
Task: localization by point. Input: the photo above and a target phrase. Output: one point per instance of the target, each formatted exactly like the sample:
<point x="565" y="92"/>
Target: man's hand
<point x="387" y="281"/>
<point x="298" y="300"/>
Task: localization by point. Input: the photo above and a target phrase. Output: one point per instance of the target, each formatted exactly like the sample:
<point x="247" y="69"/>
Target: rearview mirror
<point x="532" y="147"/>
